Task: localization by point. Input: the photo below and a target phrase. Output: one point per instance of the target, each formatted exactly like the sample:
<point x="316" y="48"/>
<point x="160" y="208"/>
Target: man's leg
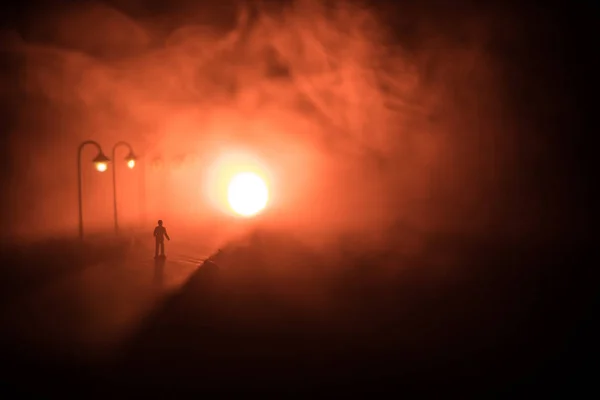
<point x="156" y="248"/>
<point x="162" y="247"/>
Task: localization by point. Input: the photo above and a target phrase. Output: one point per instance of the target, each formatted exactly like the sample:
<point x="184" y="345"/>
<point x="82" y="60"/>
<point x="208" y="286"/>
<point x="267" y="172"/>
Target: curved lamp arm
<point x="100" y="158"/>
<point x="130" y="156"/>
<point x="85" y="143"/>
<point x="130" y="159"/>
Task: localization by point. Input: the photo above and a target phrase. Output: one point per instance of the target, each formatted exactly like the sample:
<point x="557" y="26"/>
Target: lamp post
<point x="130" y="159"/>
<point x="101" y="162"/>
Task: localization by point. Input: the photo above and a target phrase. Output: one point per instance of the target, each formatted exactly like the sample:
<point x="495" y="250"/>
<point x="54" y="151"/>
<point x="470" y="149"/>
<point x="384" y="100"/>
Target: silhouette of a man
<point x="160" y="232"/>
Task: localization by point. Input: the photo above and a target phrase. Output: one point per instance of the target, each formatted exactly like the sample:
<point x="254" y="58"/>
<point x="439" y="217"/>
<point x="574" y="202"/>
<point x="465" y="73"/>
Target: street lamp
<point x="130" y="159"/>
<point x="101" y="162"/>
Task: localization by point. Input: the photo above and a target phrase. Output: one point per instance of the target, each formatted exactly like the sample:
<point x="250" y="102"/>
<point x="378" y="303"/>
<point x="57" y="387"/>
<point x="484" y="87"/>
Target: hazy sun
<point x="247" y="194"/>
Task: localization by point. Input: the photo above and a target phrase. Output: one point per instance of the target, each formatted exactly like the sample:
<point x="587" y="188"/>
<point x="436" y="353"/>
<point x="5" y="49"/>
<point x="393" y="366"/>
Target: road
<point x="81" y="313"/>
<point x="270" y="315"/>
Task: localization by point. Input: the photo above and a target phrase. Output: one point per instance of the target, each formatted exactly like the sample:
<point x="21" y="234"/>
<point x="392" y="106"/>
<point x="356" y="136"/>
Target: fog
<point x="426" y="191"/>
<point x="364" y="123"/>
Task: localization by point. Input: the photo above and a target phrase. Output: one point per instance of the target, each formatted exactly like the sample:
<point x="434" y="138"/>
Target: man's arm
<point x="167" y="235"/>
<point x="154" y="234"/>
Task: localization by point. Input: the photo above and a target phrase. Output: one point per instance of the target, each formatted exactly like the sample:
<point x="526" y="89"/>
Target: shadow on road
<point x="159" y="272"/>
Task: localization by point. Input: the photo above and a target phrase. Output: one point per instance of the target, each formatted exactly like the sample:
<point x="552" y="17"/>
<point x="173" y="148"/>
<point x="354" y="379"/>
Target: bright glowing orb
<point x="247" y="194"/>
<point x="131" y="163"/>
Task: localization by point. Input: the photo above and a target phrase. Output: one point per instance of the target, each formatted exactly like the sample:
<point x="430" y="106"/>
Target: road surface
<point x="271" y="316"/>
<point x="81" y="312"/>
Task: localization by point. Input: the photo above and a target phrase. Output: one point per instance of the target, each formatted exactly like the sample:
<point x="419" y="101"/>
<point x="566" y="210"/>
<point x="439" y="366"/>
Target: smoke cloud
<point x="364" y="124"/>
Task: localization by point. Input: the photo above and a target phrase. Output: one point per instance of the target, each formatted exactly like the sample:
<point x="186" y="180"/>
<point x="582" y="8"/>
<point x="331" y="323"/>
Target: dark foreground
<point x="271" y="316"/>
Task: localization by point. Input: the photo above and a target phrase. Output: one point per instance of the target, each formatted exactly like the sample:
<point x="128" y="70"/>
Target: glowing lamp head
<point x="101" y="166"/>
<point x="247" y="194"/>
<point x="131" y="158"/>
<point x="101" y="162"/>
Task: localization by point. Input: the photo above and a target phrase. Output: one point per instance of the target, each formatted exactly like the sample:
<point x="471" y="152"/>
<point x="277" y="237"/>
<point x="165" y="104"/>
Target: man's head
<point x="160" y="222"/>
